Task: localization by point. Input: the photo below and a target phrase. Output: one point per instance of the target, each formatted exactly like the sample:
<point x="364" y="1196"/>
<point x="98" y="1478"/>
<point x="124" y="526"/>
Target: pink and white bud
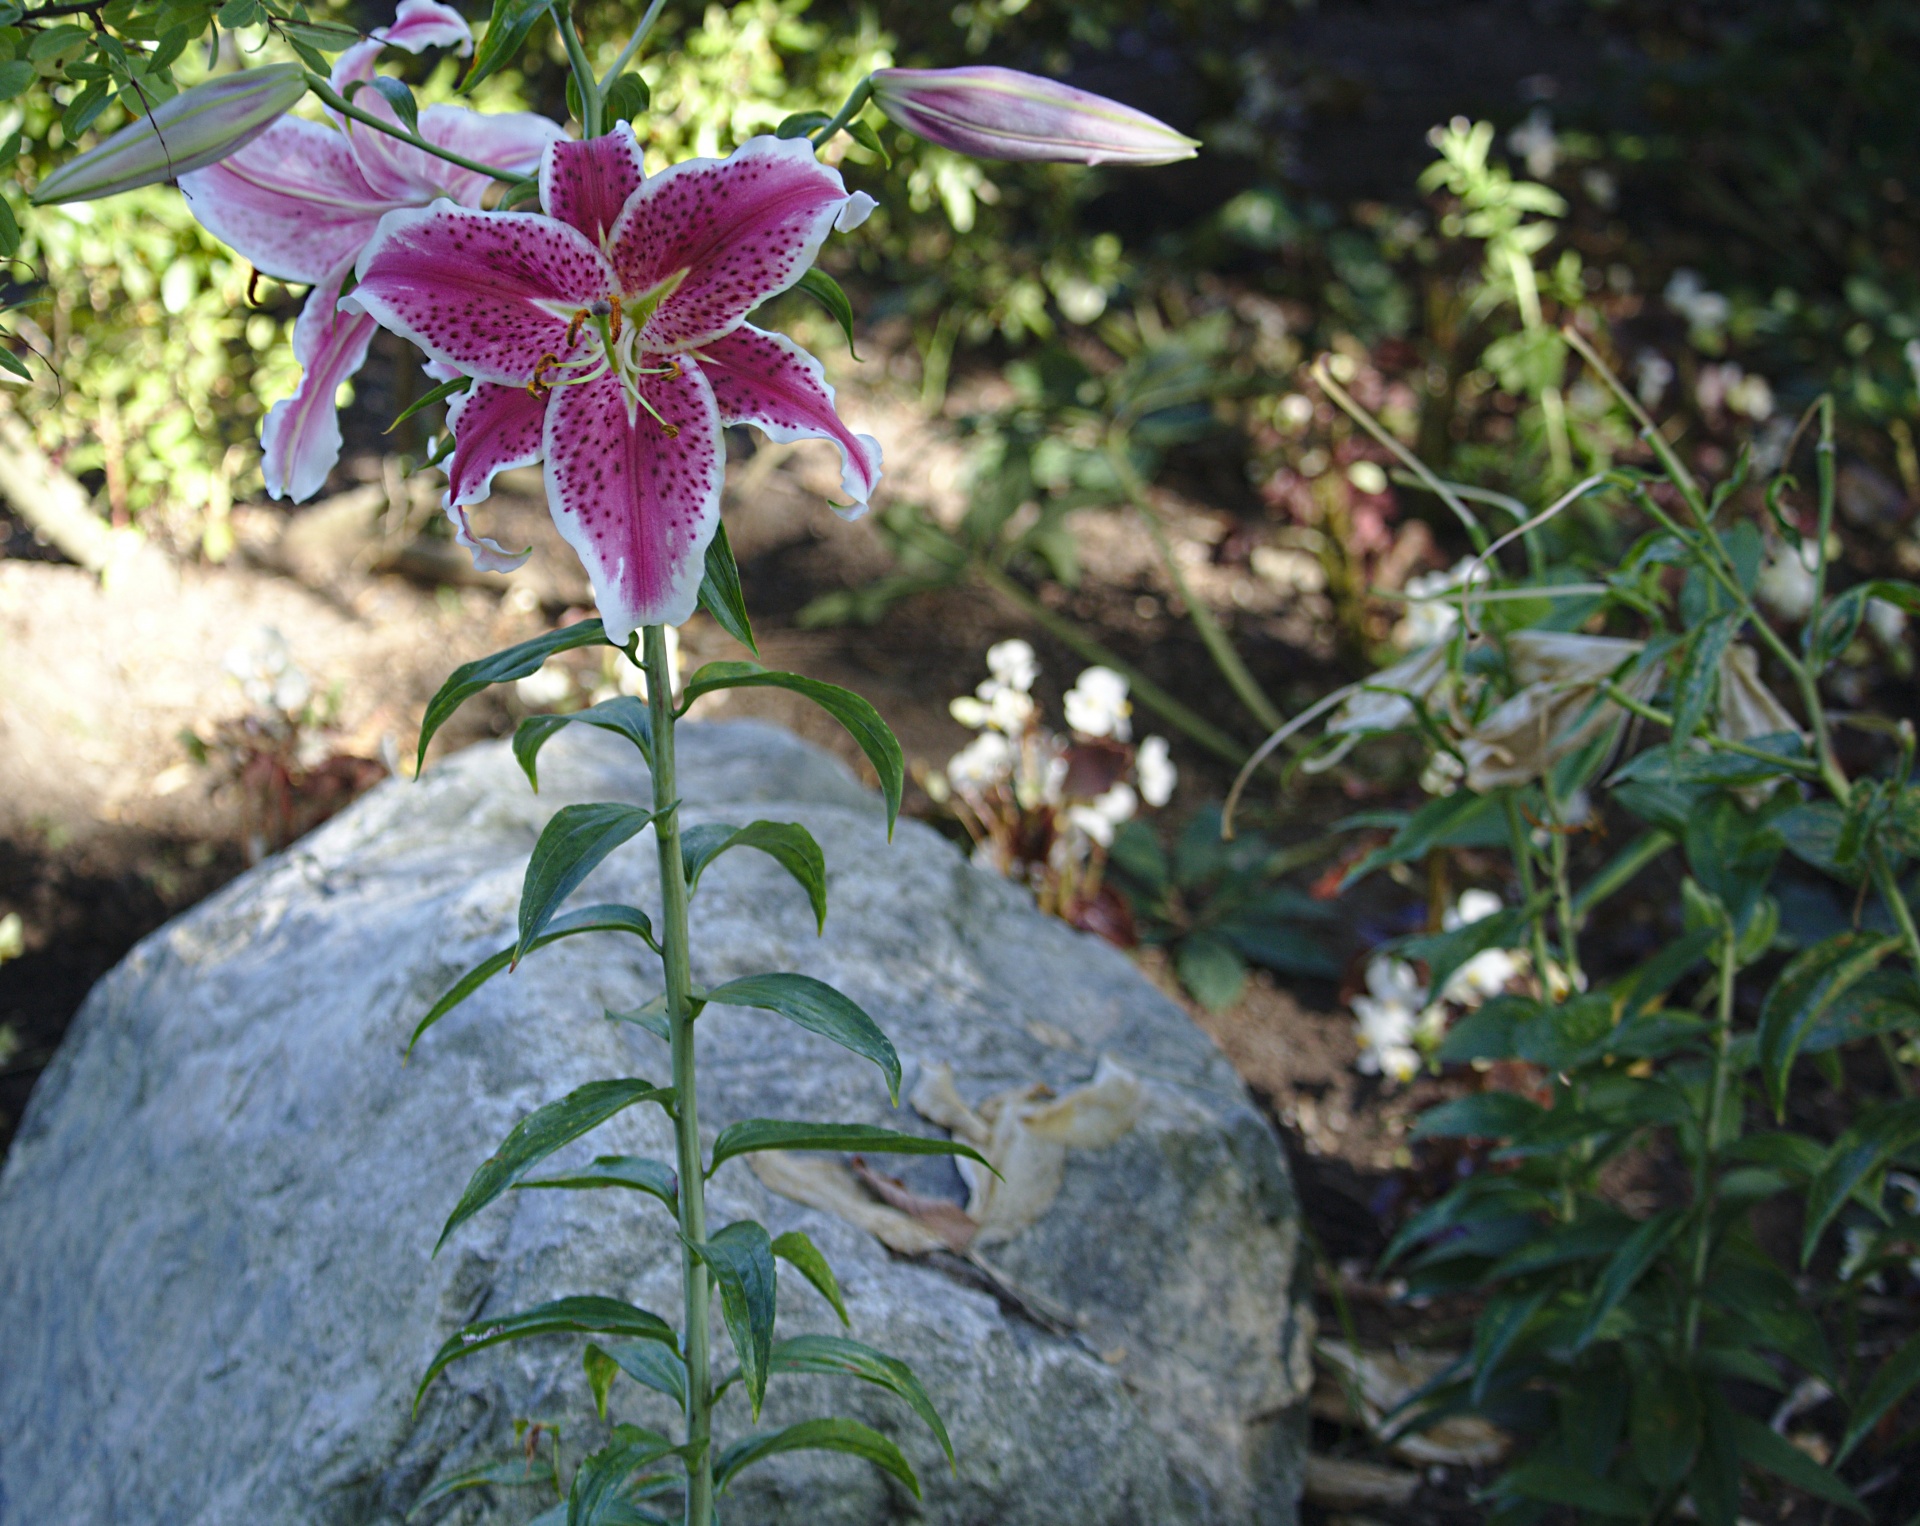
<point x="991" y="113"/>
<point x="196" y="128"/>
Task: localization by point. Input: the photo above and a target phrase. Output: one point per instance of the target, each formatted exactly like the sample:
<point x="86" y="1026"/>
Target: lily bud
<point x="991" y="113"/>
<point x="196" y="128"/>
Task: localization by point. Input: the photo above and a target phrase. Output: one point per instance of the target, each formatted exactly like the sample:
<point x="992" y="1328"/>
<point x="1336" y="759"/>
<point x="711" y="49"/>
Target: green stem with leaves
<point x="627" y="53"/>
<point x="689" y="1163"/>
<point x="337" y="102"/>
<point x="584" y="79"/>
<point x="855" y="103"/>
<point x="1710" y="1138"/>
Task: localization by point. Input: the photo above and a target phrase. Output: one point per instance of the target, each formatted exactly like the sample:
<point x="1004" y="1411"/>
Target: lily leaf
<point x="512" y="21"/>
<point x="798" y="1251"/>
<point x="786" y="842"/>
<point x="571" y="847"/>
<point x="607" y="918"/>
<point x="862" y="1138"/>
<point x="741" y="1260"/>
<point x="816" y="283"/>
<point x="817" y="1007"/>
<point x="515" y="662"/>
<point x="861" y="720"/>
<point x="836" y="1354"/>
<point x="543" y="1131"/>
<point x="720" y="592"/>
<point x="634" y="1172"/>
<point x="587" y="1314"/>
<point x="829" y="1434"/>
<point x="623" y="715"/>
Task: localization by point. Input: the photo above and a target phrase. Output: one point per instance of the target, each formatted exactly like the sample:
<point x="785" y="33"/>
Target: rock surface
<point x="216" y="1293"/>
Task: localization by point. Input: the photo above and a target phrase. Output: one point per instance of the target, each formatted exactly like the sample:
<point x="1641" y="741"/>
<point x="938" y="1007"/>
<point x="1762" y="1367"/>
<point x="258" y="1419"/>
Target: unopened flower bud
<point x="196" y="128"/>
<point x="991" y="113"/>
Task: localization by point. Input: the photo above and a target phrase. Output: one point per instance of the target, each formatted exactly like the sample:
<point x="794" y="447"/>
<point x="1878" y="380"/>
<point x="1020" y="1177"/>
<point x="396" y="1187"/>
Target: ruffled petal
<point x="770" y="382"/>
<point x="301" y="434"/>
<point x="494" y="428"/>
<point x="638" y="505"/>
<point x="588" y="183"/>
<point x="417" y="25"/>
<point x="728" y="232"/>
<point x="488" y="554"/>
<point x="292" y="202"/>
<point x="488" y="292"/>
<point x="513" y="141"/>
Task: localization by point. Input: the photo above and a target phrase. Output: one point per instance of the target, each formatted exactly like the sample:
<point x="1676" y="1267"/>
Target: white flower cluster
<point x="272" y="681"/>
<point x="1017" y="767"/>
<point x="1433" y="604"/>
<point x="1400" y="1022"/>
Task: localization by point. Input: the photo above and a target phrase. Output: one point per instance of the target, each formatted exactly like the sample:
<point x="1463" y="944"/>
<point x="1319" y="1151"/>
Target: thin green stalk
<point x="332" y="98"/>
<point x="1647" y="712"/>
<point x="1521" y="847"/>
<point x="1215" y="639"/>
<point x="854" y="104"/>
<point x="633" y="45"/>
<point x="680" y="1015"/>
<point x="584" y="79"/>
<point x="1710" y="1140"/>
<point x="1564" y="910"/>
<point x="1142" y="688"/>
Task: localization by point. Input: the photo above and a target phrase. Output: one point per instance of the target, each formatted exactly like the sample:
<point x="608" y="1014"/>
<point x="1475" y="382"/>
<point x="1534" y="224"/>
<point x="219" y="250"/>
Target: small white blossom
<point x="1154" y="765"/>
<point x="984" y="762"/>
<point x="1443" y="774"/>
<point x="1483" y="977"/>
<point x="1013" y="663"/>
<point x="1096" y="706"/>
<point x="1431" y="616"/>
<point x="1389" y="1018"/>
<point x="264" y="668"/>
<point x="1473" y="906"/>
<point x="1706" y="311"/>
<point x="1887" y="621"/>
<point x="1785" y="584"/>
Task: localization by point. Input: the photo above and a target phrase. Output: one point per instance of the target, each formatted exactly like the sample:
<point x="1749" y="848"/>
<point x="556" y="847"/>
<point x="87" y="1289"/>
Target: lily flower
<point x="302" y="199"/>
<point x="607" y="336"/>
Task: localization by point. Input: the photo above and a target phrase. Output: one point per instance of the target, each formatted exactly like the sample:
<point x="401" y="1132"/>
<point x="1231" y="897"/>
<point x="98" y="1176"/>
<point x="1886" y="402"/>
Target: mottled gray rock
<point x="216" y="1293"/>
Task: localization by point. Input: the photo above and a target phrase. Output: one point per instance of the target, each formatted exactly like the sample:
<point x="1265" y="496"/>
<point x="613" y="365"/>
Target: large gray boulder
<point x="216" y="1292"/>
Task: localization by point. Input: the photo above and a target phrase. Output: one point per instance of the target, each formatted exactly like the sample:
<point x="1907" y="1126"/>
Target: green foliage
<point x="1619" y="1345"/>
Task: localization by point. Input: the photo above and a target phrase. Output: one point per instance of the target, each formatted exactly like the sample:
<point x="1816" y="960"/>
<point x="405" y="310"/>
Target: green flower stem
<point x="346" y="108"/>
<point x="633" y="46"/>
<point x="1647" y="712"/>
<point x="584" y="79"/>
<point x="1218" y="645"/>
<point x="1710" y="1140"/>
<point x="1567" y="915"/>
<point x="1521" y="846"/>
<point x="691" y="1167"/>
<point x="856" y="102"/>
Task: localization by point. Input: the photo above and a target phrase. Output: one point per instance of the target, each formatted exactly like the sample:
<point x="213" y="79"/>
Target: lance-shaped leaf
<point x="1808" y="986"/>
<point x="786" y="842"/>
<point x="595" y="1497"/>
<point x="587" y="1314"/>
<point x="196" y="128"/>
<point x="650" y="1015"/>
<point x="570" y="848"/>
<point x="830" y="1434"/>
<point x="653" y="1366"/>
<point x="515" y="662"/>
<point x="1629" y="1264"/>
<point x="634" y="1172"/>
<point x="608" y="918"/>
<point x="864" y="1138"/>
<point x="510" y="1472"/>
<point x="1894" y="1380"/>
<point x="623" y="715"/>
<point x="816" y="283"/>
<point x="817" y="1007"/>
<point x="860" y="719"/>
<point x="543" y="1131"/>
<point x="720" y="593"/>
<point x="741" y="1260"/>
<point x="506" y="31"/>
<point x="1763" y="1448"/>
<point x="1856" y="1155"/>
<point x="799" y="1252"/>
<point x="438" y="394"/>
<point x="835" y="1354"/>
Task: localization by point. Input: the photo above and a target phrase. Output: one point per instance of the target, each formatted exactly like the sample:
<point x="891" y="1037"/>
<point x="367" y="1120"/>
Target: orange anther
<point x="573" y="328"/>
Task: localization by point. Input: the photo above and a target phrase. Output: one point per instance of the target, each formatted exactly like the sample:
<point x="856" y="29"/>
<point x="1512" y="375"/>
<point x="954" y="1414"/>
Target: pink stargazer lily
<point x="302" y="199"/>
<point x="607" y="335"/>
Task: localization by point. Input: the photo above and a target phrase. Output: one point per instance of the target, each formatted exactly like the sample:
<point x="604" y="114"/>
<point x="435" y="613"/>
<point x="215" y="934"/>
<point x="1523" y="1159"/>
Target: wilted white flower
<point x="1389" y="1019"/>
<point x="1013" y="663"/>
<point x="983" y="763"/>
<point x="1433" y="604"/>
<point x="1096" y="705"/>
<point x="1154" y="766"/>
<point x="1443" y="773"/>
<point x="1553" y="712"/>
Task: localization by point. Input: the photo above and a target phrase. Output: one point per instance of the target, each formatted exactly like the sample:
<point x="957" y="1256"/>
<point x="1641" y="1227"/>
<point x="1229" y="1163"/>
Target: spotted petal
<point x="770" y="382"/>
<point x="301" y="435"/>
<point x="494" y="429"/>
<point x="588" y="183"/>
<point x="488" y="292"/>
<point x="638" y="505"/>
<point x="292" y="202"/>
<point x="723" y="235"/>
